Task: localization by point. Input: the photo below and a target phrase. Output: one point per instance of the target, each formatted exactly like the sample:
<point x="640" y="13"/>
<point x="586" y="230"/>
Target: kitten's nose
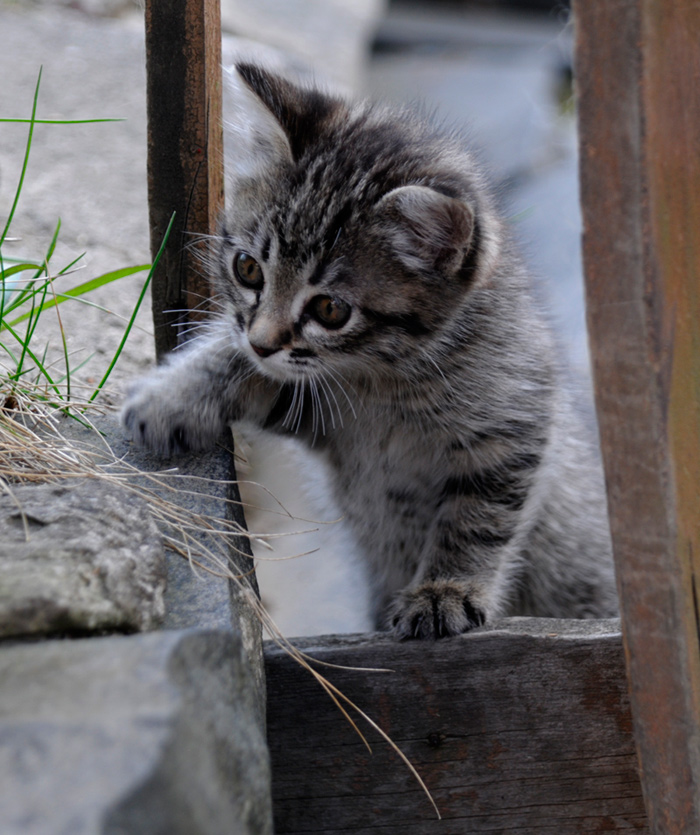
<point x="262" y="350"/>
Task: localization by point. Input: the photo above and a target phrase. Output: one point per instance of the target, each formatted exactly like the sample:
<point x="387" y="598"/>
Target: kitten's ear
<point x="428" y="229"/>
<point x="273" y="119"/>
<point x="254" y="139"/>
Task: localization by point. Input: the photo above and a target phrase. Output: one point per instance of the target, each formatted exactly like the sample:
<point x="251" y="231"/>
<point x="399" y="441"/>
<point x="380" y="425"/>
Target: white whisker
<point x="318" y="406"/>
<point x="335" y="379"/>
<point x="290" y="411"/>
<point x="325" y="387"/>
<point x="300" y="410"/>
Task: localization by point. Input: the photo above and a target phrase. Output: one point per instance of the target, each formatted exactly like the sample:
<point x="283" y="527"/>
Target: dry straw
<point x="34" y="402"/>
<point x="33" y="449"/>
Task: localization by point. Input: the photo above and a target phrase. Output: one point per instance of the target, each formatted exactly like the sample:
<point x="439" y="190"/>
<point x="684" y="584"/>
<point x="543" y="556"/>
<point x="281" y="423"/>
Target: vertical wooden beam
<point x="185" y="176"/>
<point x="638" y="76"/>
<point x="185" y="152"/>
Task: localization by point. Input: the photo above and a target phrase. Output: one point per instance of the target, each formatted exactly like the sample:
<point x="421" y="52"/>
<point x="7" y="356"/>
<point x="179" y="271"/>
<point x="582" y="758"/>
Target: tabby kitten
<point x="371" y="304"/>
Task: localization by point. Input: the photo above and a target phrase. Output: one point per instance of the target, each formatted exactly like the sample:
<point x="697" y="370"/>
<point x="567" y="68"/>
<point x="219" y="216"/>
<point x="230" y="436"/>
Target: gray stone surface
<point x="195" y="597"/>
<point x="78" y="557"/>
<point x="134" y="735"/>
<point x="330" y="36"/>
<point x="91" y="176"/>
<point x="200" y="593"/>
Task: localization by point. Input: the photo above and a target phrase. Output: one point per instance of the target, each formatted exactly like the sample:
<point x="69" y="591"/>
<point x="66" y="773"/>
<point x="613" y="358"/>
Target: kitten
<point x="371" y="304"/>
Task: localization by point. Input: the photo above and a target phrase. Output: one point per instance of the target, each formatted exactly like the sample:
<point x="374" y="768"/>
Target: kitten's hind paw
<point x="434" y="609"/>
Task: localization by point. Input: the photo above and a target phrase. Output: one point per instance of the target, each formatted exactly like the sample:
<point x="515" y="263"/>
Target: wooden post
<point x="185" y="153"/>
<point x="185" y="176"/>
<point x="638" y="76"/>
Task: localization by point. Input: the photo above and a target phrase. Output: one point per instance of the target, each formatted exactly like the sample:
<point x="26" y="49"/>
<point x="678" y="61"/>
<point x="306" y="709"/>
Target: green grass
<point x="29" y="287"/>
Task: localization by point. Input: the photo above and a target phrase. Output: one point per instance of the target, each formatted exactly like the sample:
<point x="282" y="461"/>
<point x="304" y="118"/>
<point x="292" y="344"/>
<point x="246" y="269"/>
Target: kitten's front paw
<point x="158" y="419"/>
<point x="434" y="609"/>
<point x="150" y="425"/>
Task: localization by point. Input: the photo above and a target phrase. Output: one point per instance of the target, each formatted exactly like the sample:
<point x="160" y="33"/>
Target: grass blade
<point x="83" y="288"/>
<point x="18" y="191"/>
<point x="72" y="264"/>
<point x="40" y="366"/>
<point x="64" y="341"/>
<point x="23" y="267"/>
<point x="61" y="121"/>
<point x="130" y="324"/>
<point x="32" y="323"/>
<point x="10" y="353"/>
<point x="52" y="245"/>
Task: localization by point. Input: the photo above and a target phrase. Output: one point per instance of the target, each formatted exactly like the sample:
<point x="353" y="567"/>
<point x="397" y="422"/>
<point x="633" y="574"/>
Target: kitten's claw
<point x="152" y="434"/>
<point x="435" y="609"/>
<point x="160" y="423"/>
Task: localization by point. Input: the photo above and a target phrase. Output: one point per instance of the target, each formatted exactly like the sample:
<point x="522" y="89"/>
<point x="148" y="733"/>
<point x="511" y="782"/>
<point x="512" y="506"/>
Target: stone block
<point x="78" y="556"/>
<point x="140" y="734"/>
<point x="196" y="596"/>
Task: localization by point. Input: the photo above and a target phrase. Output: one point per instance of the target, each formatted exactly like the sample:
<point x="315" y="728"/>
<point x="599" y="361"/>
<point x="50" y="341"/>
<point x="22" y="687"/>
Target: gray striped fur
<point x="452" y="445"/>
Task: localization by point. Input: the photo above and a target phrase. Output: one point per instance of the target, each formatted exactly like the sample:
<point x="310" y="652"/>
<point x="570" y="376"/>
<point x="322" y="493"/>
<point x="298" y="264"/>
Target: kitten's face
<point x="343" y="310"/>
<point x="343" y="250"/>
<point x="291" y="318"/>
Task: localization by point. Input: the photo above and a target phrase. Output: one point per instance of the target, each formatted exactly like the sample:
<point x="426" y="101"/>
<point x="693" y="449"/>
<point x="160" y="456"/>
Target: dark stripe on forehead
<point x="288" y="249"/>
<point x="317" y="274"/>
<point x="410" y="323"/>
<point x="330" y="238"/>
<point x="335" y="226"/>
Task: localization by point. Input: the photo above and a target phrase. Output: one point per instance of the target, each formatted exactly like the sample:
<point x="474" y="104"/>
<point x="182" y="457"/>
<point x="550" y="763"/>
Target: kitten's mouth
<point x="281" y="366"/>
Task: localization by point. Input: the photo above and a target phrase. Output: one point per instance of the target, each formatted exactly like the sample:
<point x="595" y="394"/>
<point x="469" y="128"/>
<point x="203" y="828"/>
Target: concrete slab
<point x="139" y="734"/>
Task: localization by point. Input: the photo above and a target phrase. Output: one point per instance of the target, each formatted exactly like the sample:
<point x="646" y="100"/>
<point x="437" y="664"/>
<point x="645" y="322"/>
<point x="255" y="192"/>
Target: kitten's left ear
<point x="428" y="229"/>
<point x="254" y="141"/>
<point x="290" y="113"/>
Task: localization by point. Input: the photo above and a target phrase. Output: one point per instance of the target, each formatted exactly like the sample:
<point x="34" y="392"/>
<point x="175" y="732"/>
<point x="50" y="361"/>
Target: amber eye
<point x="330" y="312"/>
<point x="248" y="271"/>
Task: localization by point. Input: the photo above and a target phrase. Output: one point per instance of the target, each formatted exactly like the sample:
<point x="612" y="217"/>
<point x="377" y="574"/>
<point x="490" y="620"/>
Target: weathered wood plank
<point x="522" y="728"/>
<point x="638" y="71"/>
<point x="185" y="152"/>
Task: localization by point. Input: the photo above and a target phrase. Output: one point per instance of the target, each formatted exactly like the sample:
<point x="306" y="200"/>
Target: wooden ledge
<point x="523" y="726"/>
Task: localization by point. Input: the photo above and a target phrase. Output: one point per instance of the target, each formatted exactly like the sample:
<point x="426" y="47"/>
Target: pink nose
<point x="262" y="351"/>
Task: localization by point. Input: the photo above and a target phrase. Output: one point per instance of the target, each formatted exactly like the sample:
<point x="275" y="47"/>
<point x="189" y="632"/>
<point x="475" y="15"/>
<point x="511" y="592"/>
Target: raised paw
<point x="158" y="415"/>
<point x="147" y="428"/>
<point x="434" y="609"/>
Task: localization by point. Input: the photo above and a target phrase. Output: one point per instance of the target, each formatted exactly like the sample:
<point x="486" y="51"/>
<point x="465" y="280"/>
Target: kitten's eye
<point x="248" y="271"/>
<point x="330" y="312"/>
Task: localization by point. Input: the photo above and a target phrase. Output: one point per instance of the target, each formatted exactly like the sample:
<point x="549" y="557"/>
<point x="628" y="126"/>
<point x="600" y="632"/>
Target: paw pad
<point x="435" y="610"/>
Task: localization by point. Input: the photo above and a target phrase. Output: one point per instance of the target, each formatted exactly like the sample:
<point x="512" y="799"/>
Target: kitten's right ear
<point x="427" y="229"/>
<point x="254" y="140"/>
